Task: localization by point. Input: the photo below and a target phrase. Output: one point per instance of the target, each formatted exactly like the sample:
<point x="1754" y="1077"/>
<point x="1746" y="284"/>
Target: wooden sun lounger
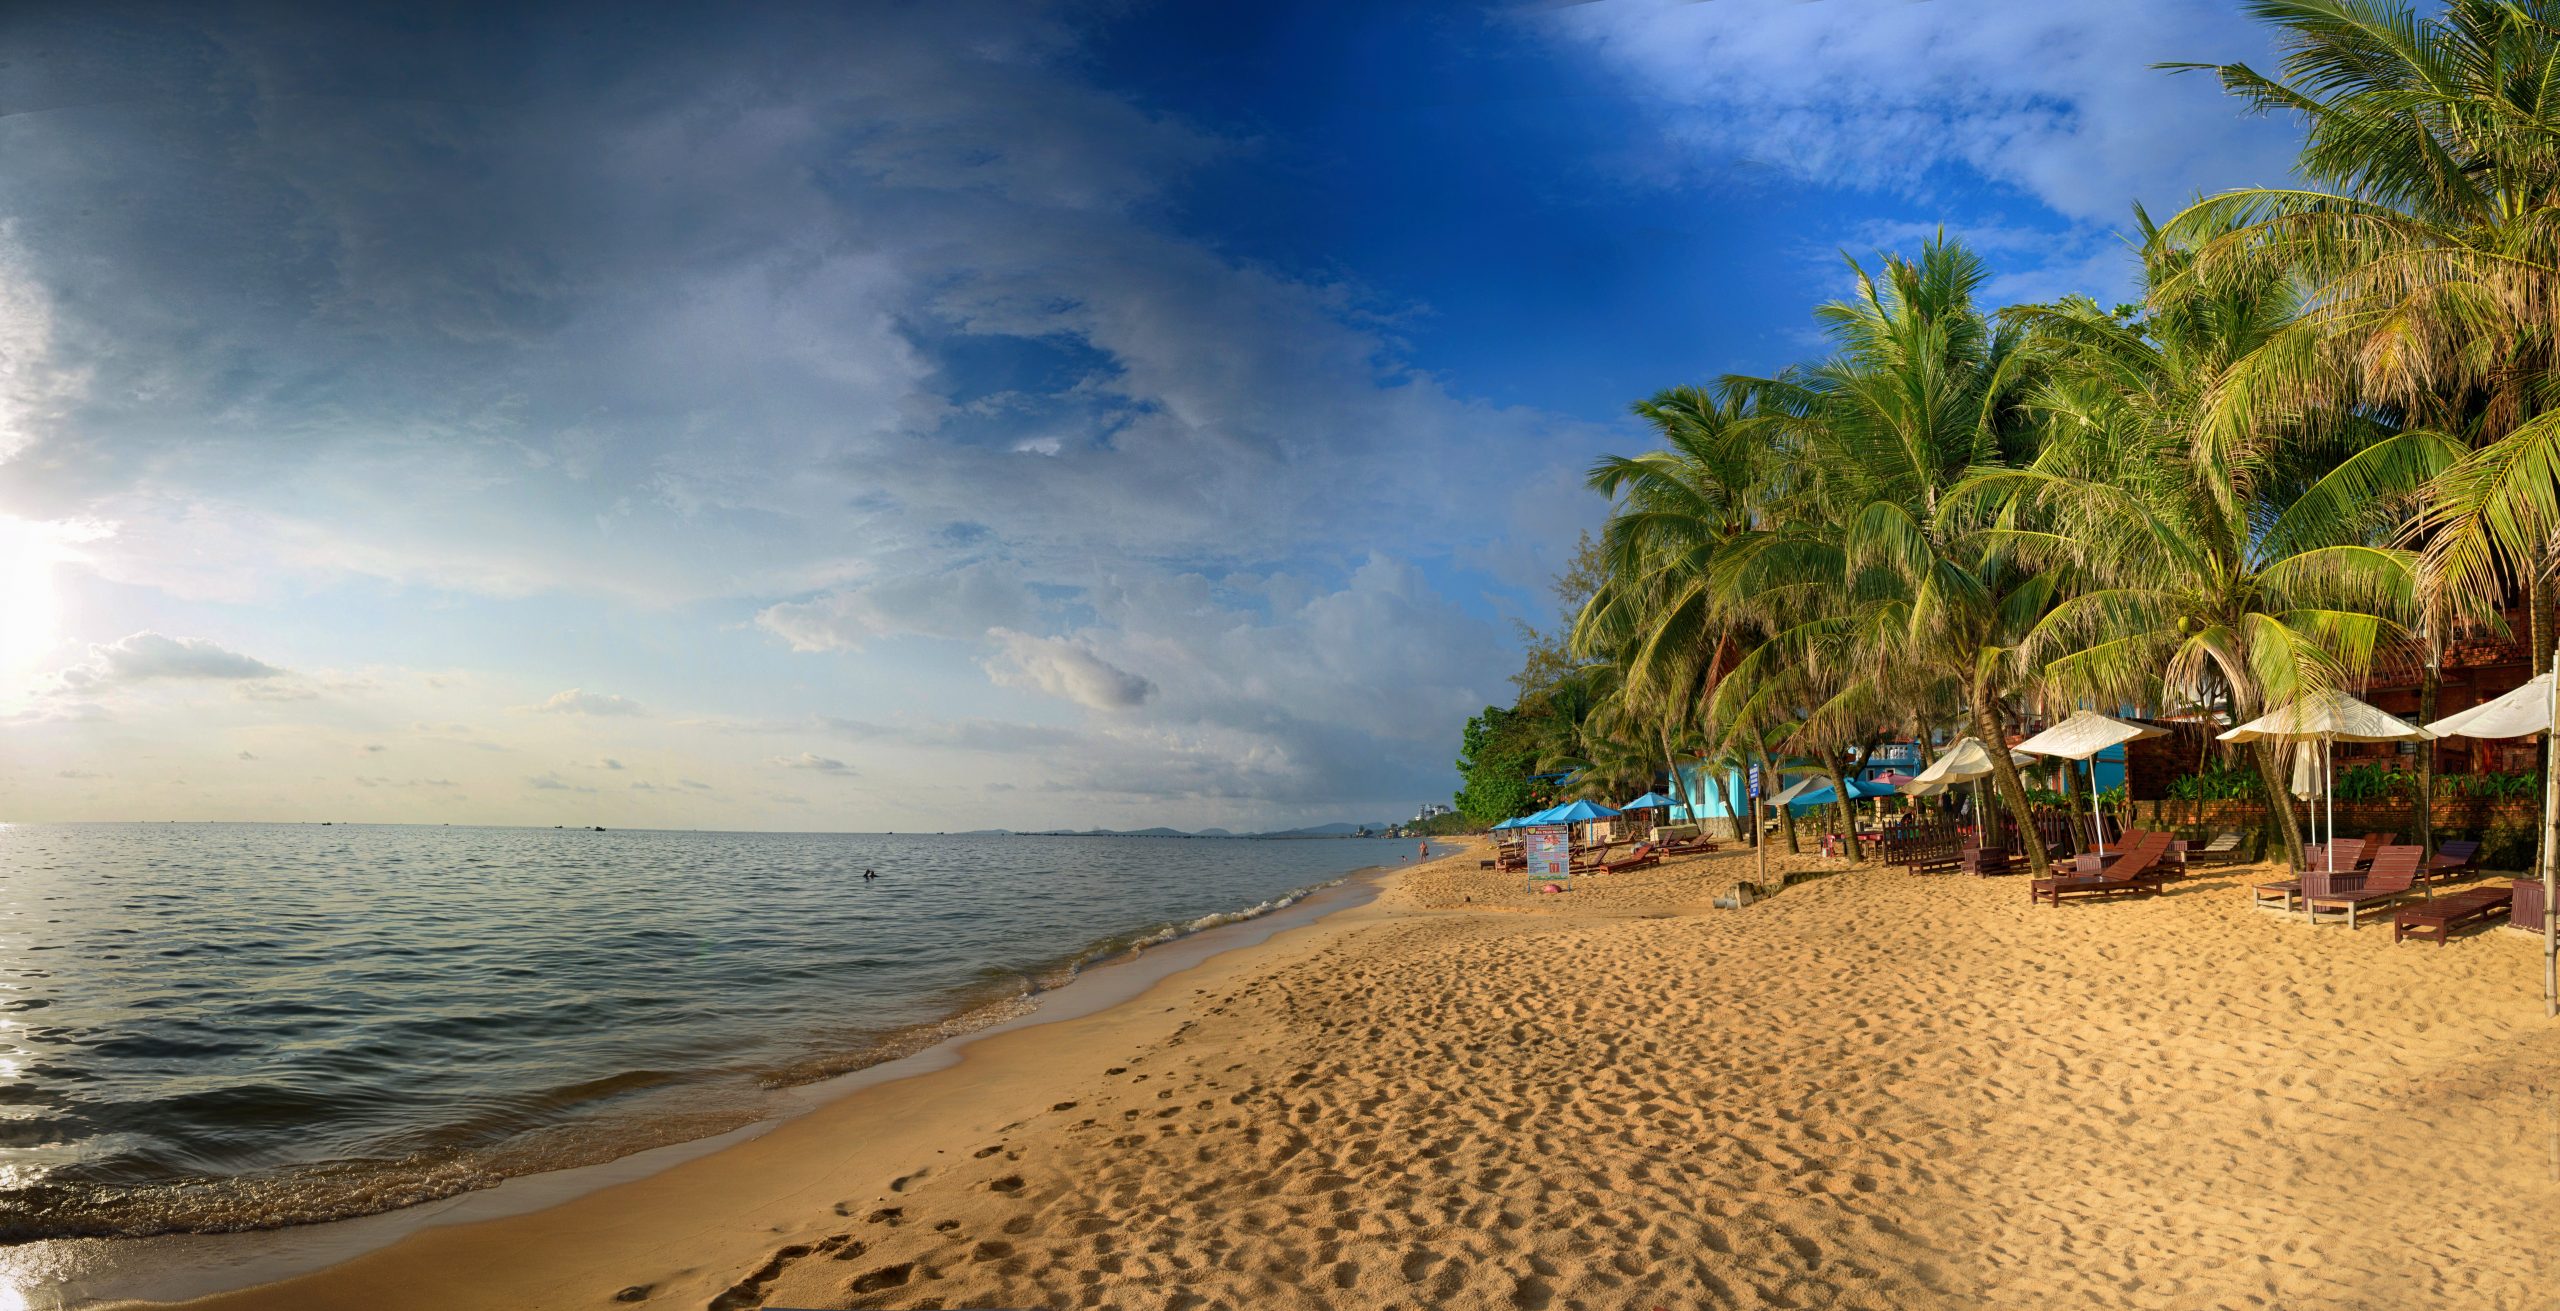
<point x="2394" y="875"/>
<point x="1989" y="861"/>
<point x="1643" y="855"/>
<point x="2438" y="919"/>
<point x="1691" y="846"/>
<point x="2279" y="896"/>
<point x="2452" y="856"/>
<point x="2223" y="850"/>
<point x="2132" y="876"/>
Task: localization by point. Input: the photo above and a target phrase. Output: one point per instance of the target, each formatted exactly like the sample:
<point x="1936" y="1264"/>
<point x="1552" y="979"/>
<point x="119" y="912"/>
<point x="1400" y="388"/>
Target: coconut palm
<point x="2431" y="243"/>
<point x="1654" y="615"/>
<point x="2251" y="559"/>
<point x="1866" y="585"/>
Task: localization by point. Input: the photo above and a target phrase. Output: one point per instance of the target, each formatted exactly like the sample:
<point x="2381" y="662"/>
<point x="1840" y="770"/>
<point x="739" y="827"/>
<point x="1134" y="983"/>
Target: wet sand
<point x="1872" y="1090"/>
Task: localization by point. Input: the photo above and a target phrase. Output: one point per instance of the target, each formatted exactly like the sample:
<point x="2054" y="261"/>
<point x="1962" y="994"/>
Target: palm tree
<point x="2431" y="244"/>
<point x="1655" y="614"/>
<point x="2251" y="558"/>
<point x="1864" y="580"/>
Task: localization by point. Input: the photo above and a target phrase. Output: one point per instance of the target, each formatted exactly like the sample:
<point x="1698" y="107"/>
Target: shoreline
<point x="204" y="1268"/>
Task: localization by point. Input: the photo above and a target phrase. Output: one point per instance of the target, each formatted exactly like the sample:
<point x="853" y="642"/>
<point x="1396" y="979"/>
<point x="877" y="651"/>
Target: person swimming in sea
<point x="867" y="876"/>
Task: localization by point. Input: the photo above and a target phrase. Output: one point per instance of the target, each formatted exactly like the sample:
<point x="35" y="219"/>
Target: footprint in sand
<point x="1011" y="1183"/>
<point x="887" y="1276"/>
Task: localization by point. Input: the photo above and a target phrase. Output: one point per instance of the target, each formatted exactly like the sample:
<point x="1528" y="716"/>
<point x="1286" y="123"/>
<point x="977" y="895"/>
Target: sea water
<point x="217" y="1027"/>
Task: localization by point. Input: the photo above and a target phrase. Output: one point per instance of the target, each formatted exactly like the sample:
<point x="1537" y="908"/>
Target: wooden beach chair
<point x="2360" y="857"/>
<point x="2393" y="875"/>
<point x="2135" y="875"/>
<point x="1696" y="846"/>
<point x="1989" y="861"/>
<point x="2223" y="850"/>
<point x="2451" y="856"/>
<point x="1643" y="855"/>
<point x="2279" y="896"/>
<point x="2438" y="919"/>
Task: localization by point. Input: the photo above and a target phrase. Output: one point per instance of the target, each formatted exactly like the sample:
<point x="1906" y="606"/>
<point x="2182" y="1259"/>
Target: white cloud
<point x="147" y="657"/>
<point x="1060" y="668"/>
<point x="815" y="763"/>
<point x="578" y="701"/>
<point x="2058" y="101"/>
<point x="963" y="603"/>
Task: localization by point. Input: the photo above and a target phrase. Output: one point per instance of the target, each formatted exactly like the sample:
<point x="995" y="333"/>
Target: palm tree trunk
<point x="1986" y="726"/>
<point x="2538" y="621"/>
<point x="1733" y="801"/>
<point x="1679" y="785"/>
<point x="2074" y="796"/>
<point x="2427" y="685"/>
<point x="2271" y="776"/>
<point x="1848" y="808"/>
<point x="1769" y="782"/>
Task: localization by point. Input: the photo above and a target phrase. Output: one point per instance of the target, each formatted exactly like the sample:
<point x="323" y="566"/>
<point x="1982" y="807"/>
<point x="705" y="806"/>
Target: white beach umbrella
<point x="2327" y="718"/>
<point x="2082" y="737"/>
<point x="2306" y="771"/>
<point x="1964" y="762"/>
<point x="2532" y="708"/>
<point x="2520" y="713"/>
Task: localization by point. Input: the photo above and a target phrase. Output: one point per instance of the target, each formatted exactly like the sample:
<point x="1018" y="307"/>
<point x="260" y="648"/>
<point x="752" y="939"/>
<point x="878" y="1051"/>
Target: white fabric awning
<point x="2085" y="734"/>
<point x="2519" y="713"/>
<point x="2332" y="715"/>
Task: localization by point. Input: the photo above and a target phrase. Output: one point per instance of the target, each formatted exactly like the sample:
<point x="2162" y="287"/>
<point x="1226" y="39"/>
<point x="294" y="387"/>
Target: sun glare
<point x="30" y="608"/>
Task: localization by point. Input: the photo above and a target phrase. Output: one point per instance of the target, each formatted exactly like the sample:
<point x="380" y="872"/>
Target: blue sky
<point x="935" y="416"/>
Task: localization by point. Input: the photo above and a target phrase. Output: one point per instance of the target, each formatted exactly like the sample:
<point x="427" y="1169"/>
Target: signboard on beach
<point x="1550" y="852"/>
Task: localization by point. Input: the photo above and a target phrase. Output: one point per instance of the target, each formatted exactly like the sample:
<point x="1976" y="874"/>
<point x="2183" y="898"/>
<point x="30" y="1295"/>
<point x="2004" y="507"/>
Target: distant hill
<point x="1323" y="831"/>
<point x="985" y="833"/>
<point x="1214" y="833"/>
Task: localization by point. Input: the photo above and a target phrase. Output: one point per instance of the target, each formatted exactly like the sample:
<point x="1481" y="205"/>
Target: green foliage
<point x="2220" y="783"/>
<point x="2372" y="782"/>
<point x="1445" y="826"/>
<point x="1495" y="758"/>
<point x="2489" y="787"/>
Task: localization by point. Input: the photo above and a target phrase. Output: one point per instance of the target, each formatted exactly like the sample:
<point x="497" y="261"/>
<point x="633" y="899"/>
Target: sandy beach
<point x="1873" y="1090"/>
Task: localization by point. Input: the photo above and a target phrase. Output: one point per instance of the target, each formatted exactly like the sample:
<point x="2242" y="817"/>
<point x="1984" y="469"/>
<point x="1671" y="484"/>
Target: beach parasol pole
<point x="2097" y="818"/>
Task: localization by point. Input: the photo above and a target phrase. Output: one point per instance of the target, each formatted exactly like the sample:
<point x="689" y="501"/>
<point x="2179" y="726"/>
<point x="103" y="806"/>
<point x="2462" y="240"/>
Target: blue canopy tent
<point x="1574" y="812"/>
<point x="1650" y="801"/>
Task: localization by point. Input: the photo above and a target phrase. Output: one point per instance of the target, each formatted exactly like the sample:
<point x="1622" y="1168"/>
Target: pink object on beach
<point x="1551" y="888"/>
